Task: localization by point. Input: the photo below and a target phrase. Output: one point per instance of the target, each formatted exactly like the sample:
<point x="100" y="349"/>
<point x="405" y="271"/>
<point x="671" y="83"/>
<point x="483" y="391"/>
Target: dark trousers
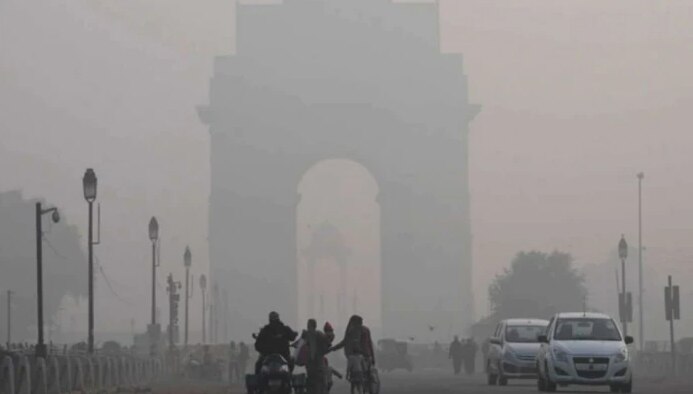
<point x="457" y="365"/>
<point x="316" y="380"/>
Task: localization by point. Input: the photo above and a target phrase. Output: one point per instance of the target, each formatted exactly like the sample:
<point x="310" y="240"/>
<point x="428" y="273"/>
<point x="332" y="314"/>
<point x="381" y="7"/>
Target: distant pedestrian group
<point x="463" y="354"/>
<point x="238" y="361"/>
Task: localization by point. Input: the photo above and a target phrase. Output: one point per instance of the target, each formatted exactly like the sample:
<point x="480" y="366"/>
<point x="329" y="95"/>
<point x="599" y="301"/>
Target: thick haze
<point x="578" y="96"/>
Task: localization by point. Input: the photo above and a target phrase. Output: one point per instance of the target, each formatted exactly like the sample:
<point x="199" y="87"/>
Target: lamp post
<point x="41" y="346"/>
<point x="623" y="301"/>
<point x="89" y="183"/>
<point x="641" y="318"/>
<point x="187" y="261"/>
<point x="154" y="237"/>
<point x="203" y="289"/>
<point x="9" y="318"/>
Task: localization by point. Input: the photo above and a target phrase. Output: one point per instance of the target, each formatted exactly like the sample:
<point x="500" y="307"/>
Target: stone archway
<point x="338" y="238"/>
<point x="371" y="87"/>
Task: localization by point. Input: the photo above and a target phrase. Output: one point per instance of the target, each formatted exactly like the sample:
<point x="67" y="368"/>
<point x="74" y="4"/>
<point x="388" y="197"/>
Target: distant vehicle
<point x="584" y="349"/>
<point x="513" y="350"/>
<point x="393" y="355"/>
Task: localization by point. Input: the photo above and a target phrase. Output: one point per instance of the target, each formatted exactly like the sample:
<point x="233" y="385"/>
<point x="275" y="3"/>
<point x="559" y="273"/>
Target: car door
<point x="496" y="347"/>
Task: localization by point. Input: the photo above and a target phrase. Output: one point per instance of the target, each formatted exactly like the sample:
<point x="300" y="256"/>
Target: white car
<point x="513" y="350"/>
<point x="584" y="349"/>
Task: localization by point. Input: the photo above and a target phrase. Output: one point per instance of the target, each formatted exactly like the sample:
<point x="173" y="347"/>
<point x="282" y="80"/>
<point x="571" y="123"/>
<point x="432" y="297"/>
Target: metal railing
<point x="24" y="374"/>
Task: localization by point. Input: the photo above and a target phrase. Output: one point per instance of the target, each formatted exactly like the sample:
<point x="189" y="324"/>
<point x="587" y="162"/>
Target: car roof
<point x="579" y="315"/>
<point x="526" y="322"/>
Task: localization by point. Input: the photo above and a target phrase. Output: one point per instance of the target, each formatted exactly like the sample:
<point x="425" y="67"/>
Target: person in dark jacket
<point x="456" y="352"/>
<point x="318" y="345"/>
<point x="274" y="338"/>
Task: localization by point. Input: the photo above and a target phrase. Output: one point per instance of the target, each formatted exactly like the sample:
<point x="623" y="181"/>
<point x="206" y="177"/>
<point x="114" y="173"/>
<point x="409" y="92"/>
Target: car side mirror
<point x="495" y="341"/>
<point x="628" y="340"/>
<point x="543" y="339"/>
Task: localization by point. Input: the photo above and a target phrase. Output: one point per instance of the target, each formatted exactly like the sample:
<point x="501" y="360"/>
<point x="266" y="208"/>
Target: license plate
<point x="275" y="383"/>
<point x="591" y="367"/>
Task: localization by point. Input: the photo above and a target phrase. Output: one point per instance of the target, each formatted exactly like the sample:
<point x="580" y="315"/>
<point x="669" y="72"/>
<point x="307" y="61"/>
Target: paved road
<point x="438" y="383"/>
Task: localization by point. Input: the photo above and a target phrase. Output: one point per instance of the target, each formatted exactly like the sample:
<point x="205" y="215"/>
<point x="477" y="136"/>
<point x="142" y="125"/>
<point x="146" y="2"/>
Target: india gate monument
<point x="363" y="80"/>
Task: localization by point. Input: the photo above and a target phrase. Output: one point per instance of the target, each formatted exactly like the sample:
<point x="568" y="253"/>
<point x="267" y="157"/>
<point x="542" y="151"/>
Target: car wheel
<point x="492" y="379"/>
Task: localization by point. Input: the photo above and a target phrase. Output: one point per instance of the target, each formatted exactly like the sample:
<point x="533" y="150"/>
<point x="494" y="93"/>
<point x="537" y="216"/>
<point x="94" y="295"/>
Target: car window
<point x="586" y="329"/>
<point x="524" y="334"/>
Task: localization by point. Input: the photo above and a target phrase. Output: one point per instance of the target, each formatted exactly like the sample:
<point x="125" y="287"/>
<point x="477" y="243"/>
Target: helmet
<point x="274" y="316"/>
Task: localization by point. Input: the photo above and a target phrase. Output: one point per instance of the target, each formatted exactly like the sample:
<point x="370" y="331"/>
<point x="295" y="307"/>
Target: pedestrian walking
<point x="456" y="355"/>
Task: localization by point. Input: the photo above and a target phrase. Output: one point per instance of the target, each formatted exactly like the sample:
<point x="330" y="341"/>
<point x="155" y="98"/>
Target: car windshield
<point x="586" y="329"/>
<point x="523" y="334"/>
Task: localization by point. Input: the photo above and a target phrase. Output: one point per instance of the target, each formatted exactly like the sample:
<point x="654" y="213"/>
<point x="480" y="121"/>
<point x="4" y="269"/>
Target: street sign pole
<point x="673" y="312"/>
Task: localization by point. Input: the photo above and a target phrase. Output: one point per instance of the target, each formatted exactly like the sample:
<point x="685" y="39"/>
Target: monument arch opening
<point x="338" y="243"/>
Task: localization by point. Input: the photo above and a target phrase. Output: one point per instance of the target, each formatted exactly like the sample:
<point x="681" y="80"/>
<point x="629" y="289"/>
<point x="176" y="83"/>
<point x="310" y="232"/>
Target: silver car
<point x="513" y="350"/>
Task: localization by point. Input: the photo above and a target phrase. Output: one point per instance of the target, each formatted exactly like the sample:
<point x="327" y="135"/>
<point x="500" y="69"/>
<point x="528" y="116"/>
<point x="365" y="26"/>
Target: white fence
<point x="21" y="374"/>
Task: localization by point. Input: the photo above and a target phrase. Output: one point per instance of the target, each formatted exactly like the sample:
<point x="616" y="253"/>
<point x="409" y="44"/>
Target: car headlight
<point x="560" y="355"/>
<point x="621" y="356"/>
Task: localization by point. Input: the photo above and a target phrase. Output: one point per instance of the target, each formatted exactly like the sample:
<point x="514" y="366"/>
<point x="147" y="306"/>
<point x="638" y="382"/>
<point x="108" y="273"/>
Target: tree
<point x="537" y="285"/>
<point x="64" y="264"/>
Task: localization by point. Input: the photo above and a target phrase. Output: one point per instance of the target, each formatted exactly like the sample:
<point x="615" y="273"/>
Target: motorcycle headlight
<point x="621" y="356"/>
<point x="560" y="355"/>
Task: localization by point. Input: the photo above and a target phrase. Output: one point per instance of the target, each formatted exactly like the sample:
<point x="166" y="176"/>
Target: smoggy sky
<point x="578" y="96"/>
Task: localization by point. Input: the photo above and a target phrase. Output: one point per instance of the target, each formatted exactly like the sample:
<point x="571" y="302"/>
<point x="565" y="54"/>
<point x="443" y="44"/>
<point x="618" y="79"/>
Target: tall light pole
<point x="641" y="318"/>
<point x="187" y="261"/>
<point x="154" y="237"/>
<point x="623" y="254"/>
<point x="9" y="318"/>
<point x="41" y="346"/>
<point x="89" y="183"/>
<point x="203" y="289"/>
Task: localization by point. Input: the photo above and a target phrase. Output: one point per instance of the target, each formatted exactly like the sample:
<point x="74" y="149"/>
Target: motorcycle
<point x="275" y="378"/>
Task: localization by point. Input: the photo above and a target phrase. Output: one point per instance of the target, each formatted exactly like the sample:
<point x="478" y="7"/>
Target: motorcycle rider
<point x="357" y="342"/>
<point x="274" y="338"/>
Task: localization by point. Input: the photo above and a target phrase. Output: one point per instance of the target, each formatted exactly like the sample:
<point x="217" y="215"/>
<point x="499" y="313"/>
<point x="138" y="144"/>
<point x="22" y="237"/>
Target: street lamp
<point x="154" y="237"/>
<point x="641" y="313"/>
<point x="203" y="289"/>
<point x="55" y="216"/>
<point x="187" y="261"/>
<point x="623" y="300"/>
<point x="89" y="183"/>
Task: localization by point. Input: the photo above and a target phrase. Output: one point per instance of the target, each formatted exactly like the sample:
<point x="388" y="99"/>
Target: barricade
<point x="22" y="374"/>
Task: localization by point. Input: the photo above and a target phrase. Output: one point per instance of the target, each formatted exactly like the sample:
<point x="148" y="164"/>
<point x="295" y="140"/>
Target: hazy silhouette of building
<point x="357" y="79"/>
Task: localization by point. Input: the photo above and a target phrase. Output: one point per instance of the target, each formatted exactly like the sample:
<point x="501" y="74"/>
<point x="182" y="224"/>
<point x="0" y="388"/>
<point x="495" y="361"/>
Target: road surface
<point x="441" y="383"/>
<point x="438" y="383"/>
